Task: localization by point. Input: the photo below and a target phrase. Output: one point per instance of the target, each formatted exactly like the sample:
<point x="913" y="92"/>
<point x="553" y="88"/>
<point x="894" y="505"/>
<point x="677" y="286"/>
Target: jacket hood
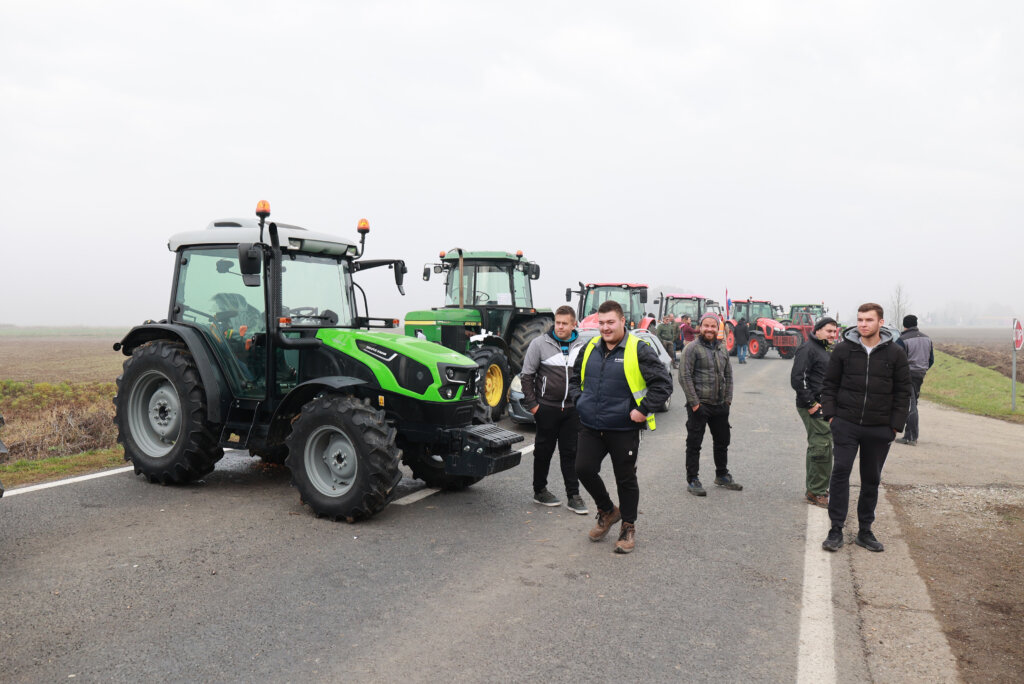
<point x="573" y="336"/>
<point x="853" y="335"/>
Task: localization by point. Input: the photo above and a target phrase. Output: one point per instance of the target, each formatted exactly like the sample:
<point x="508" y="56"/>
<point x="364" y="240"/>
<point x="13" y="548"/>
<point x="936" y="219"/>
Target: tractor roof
<point x="622" y="285"/>
<point x="685" y="296"/>
<point x="235" y="231"/>
<point x="453" y="255"/>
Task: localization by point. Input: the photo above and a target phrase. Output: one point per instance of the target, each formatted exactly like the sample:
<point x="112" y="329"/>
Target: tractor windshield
<point x="629" y="300"/>
<point x="484" y="284"/>
<point x="760" y="310"/>
<point x="683" y="307"/>
<point x="316" y="290"/>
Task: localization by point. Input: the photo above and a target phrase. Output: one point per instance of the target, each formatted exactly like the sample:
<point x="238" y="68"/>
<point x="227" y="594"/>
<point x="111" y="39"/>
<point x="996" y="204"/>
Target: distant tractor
<point x="692" y="305"/>
<point x="816" y="311"/>
<point x="631" y="296"/>
<point x="264" y="348"/>
<point x="488" y="315"/>
<point x="765" y="331"/>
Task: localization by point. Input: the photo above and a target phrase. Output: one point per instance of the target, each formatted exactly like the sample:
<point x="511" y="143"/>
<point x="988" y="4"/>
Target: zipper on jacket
<point x="867" y="378"/>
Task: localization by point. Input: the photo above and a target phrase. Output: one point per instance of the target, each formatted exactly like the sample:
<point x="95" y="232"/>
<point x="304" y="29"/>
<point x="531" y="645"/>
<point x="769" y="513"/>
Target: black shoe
<point x="868" y="541"/>
<point x="729" y="483"/>
<point x="834" y="540"/>
<point x="576" y="505"/>
<point x="695" y="488"/>
<point x="546" y="498"/>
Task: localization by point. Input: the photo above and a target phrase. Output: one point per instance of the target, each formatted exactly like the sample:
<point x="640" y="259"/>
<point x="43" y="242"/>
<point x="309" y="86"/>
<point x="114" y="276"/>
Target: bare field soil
<point x="59" y="358"/>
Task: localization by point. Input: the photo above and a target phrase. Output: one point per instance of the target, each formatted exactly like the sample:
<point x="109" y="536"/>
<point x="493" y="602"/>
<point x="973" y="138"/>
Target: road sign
<point x="1018" y="335"/>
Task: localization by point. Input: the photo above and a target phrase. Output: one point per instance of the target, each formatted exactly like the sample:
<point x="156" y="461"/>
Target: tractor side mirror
<point x="426" y="273"/>
<point x="249" y="263"/>
<point x="568" y="294"/>
<point x="438" y="268"/>
<point x="400" y="271"/>
<point x="534" y="270"/>
<point x="643" y="296"/>
<point x="657" y="301"/>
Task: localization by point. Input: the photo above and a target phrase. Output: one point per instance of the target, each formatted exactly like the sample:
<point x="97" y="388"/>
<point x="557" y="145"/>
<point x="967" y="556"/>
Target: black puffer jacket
<point x="808" y="372"/>
<point x="867" y="390"/>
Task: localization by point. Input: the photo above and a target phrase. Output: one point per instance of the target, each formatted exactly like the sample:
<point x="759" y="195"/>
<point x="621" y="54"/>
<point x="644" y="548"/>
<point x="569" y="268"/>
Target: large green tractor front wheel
<point x="496" y="378"/>
<point x="343" y="458"/>
<point x="160" y="412"/>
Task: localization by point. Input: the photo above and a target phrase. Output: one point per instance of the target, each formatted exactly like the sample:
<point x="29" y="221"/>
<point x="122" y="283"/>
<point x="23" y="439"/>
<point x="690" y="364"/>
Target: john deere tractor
<point x="488" y="315"/>
<point x="265" y="348"/>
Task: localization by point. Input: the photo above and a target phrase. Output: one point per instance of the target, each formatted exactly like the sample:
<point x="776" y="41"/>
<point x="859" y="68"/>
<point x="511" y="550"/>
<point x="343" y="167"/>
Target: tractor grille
<point x="453" y="337"/>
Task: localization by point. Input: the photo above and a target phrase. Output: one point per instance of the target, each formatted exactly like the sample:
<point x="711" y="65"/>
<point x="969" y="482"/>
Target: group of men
<point x="593" y="399"/>
<point x="854" y="398"/>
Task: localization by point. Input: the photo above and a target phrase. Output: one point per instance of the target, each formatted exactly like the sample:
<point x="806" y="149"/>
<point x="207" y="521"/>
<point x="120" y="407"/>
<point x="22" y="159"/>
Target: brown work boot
<point x="604" y="523"/>
<point x="818" y="499"/>
<point x="627" y="538"/>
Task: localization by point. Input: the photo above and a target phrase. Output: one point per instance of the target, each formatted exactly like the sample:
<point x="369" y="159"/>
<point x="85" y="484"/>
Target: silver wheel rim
<point x="331" y="461"/>
<point x="154" y="414"/>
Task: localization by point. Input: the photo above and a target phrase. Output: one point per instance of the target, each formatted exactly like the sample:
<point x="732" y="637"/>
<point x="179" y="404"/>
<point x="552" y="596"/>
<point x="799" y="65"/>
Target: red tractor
<point x="765" y="329"/>
<point x="631" y="296"/>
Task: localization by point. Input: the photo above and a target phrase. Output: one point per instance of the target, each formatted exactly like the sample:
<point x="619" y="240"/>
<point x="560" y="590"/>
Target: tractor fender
<point x="301" y="394"/>
<point x="489" y="341"/>
<point x="218" y="394"/>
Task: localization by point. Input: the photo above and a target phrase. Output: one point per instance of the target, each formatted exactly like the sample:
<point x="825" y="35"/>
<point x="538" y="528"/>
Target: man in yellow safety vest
<point x="617" y="384"/>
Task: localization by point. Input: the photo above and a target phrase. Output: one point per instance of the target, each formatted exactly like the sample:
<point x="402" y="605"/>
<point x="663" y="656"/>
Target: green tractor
<point x="488" y="315"/>
<point x="265" y="348"/>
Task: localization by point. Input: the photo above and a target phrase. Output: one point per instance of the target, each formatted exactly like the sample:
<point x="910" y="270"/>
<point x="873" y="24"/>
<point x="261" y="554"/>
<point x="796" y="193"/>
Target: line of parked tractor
<point x="265" y="348"/>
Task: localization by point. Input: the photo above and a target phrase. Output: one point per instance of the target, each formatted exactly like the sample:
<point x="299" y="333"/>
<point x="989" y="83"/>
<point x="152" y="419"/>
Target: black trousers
<point x="711" y="416"/>
<point x="556" y="427"/>
<point x="622" y="446"/>
<point x="873" y="442"/>
<point x="912" y="430"/>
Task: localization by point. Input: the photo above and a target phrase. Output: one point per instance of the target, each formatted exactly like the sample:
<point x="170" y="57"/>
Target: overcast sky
<point x="797" y="151"/>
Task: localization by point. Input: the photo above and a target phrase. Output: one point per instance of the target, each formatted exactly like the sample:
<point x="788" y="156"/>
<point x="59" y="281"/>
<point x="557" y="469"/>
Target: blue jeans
<point x="741" y="352"/>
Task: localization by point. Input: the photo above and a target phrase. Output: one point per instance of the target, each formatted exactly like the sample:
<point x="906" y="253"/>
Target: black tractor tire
<point x="426" y="467"/>
<point x="343" y="457"/>
<point x="757" y="346"/>
<point x="522" y="335"/>
<point x="496" y="378"/>
<point x="160" y="413"/>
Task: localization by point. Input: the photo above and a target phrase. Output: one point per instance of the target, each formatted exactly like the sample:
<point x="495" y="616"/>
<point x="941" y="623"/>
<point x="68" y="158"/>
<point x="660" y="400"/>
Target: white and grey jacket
<point x="547" y="367"/>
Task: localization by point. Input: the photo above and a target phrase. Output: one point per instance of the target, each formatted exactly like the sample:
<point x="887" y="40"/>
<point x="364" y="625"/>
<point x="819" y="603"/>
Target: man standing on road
<point x="740" y="337"/>
<point x="545" y="376"/>
<point x="921" y="356"/>
<point x="806" y="378"/>
<point x="617" y="383"/>
<point x="686" y="331"/>
<point x="865" y="398"/>
<point x="706" y="377"/>
<point x="667" y="333"/>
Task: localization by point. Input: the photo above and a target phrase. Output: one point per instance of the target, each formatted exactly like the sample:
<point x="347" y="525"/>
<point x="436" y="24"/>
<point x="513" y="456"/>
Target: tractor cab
<point x="631" y="297"/>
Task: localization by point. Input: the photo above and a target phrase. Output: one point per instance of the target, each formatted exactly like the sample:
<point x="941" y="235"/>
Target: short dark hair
<point x="871" y="306"/>
<point x="566" y="310"/>
<point x="609" y="306"/>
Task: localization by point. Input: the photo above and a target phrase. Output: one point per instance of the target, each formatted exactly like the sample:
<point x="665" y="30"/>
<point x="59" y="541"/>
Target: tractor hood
<point x="420" y="350"/>
<point x="771" y="323"/>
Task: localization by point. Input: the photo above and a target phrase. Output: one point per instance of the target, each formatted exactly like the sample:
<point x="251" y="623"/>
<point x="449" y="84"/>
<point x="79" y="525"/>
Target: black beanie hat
<point x="910" y="321"/>
<point x="822" y="322"/>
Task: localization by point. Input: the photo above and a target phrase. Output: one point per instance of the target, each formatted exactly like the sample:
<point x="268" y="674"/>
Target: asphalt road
<point x="233" y="579"/>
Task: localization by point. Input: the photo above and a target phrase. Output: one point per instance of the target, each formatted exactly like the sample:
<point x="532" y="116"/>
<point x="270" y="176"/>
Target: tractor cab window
<point x="760" y="310"/>
<point x="683" y="307"/>
<point x="524" y="296"/>
<point x="628" y="300"/>
<point x="483" y="285"/>
<point x="212" y="298"/>
<point x="316" y="291"/>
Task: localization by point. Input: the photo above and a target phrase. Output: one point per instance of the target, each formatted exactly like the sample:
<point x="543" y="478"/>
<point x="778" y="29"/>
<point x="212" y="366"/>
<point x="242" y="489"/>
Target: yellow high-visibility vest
<point x="631" y="363"/>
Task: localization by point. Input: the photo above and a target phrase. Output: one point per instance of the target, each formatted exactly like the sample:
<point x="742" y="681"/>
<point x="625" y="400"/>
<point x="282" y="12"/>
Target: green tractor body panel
<point x="401" y="365"/>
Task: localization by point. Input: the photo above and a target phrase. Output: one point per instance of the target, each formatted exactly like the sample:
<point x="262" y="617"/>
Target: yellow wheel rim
<point x="495" y="383"/>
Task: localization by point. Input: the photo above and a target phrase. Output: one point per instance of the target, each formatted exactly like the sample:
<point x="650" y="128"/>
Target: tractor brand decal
<point x="381" y="353"/>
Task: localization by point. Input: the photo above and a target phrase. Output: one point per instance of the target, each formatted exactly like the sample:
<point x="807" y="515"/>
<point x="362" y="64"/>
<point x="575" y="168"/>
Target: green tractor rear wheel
<point x="522" y="336"/>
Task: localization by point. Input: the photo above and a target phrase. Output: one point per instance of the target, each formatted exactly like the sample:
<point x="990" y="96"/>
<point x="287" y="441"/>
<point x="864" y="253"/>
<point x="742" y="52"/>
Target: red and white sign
<point x="1018" y="335"/>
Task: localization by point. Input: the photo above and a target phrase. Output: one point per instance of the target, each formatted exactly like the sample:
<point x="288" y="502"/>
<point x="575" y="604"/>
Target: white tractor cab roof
<point x="236" y="231"/>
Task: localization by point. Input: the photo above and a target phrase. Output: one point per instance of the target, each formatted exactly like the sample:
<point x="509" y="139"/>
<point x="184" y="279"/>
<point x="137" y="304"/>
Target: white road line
<point x="420" y="494"/>
<point x="816" y="661"/>
<point x="61" y="483"/>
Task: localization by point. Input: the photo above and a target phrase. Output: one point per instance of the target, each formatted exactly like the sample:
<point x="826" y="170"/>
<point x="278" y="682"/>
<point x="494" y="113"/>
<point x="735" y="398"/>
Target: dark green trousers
<point x="819" y="452"/>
